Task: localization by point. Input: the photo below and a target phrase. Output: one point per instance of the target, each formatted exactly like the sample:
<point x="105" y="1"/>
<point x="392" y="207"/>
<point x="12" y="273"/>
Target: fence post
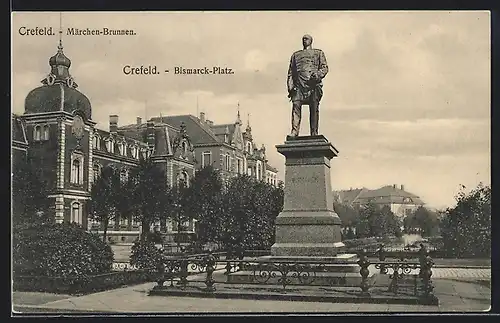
<point x="422" y="255"/>
<point x="426" y="275"/>
<point x="160" y="266"/>
<point x="381" y="257"/>
<point x="209" y="281"/>
<point x="184" y="272"/>
<point x="364" y="271"/>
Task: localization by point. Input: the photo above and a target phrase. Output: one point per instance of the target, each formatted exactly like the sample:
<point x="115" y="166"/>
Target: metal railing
<point x="416" y="267"/>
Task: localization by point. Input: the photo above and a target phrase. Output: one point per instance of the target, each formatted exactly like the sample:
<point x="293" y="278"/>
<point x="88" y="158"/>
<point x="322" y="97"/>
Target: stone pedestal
<point x="308" y="225"/>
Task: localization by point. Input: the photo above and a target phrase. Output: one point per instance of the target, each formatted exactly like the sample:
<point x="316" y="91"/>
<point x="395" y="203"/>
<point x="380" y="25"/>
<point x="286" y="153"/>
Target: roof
<point x="389" y="194"/>
<point x="222" y="129"/>
<point x="349" y="196"/>
<point x="199" y="133"/>
<point x="18" y="130"/>
<point x="271" y="168"/>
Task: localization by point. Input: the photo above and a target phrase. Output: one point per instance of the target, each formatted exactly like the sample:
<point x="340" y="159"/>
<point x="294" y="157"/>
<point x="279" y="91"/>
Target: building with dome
<point x="57" y="135"/>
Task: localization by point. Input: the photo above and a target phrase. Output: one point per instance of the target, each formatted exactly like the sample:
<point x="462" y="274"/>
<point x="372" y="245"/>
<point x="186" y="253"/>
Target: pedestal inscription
<point x="308" y="226"/>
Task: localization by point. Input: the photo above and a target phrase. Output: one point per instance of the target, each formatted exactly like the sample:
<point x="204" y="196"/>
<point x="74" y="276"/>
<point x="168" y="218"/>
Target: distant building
<point x="401" y="202"/>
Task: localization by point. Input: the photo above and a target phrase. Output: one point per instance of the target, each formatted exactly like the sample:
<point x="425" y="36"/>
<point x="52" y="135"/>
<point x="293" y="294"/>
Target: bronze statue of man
<point x="307" y="69"/>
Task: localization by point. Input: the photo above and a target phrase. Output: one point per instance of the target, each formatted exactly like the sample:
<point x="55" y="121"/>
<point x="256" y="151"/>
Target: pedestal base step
<point x="346" y="258"/>
<point x="342" y="279"/>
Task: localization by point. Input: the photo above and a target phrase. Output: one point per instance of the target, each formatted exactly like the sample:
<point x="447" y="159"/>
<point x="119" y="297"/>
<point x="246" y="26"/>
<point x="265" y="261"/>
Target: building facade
<point x="226" y="147"/>
<point x="401" y="202"/>
<point x="57" y="135"/>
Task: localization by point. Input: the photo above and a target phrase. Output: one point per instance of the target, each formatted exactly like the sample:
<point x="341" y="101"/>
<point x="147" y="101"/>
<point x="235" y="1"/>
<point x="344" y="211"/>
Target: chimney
<point x="139" y="120"/>
<point x="202" y="117"/>
<point x="394" y="186"/>
<point x="113" y="123"/>
<point x="402" y="187"/>
<point x="150" y="133"/>
<point x="210" y="122"/>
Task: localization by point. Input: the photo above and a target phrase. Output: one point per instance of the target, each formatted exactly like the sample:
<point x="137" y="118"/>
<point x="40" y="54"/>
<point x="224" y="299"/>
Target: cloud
<point x="407" y="98"/>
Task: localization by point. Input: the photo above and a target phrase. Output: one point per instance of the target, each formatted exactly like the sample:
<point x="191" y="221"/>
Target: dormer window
<point x="184" y="147"/>
<point x="110" y="146"/>
<point x="97" y="142"/>
<point x="249" y="147"/>
<point x="121" y="148"/>
<point x="135" y="151"/>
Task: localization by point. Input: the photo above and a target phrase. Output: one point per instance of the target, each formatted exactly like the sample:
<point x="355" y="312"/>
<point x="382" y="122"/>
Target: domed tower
<point x="59" y="130"/>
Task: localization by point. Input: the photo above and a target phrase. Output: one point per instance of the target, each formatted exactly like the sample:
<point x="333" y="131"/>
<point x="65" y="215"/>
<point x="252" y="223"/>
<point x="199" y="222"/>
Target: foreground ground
<point x="466" y="294"/>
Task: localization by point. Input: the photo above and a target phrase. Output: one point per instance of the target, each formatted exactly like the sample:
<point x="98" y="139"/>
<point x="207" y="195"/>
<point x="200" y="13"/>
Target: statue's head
<point x="307" y="40"/>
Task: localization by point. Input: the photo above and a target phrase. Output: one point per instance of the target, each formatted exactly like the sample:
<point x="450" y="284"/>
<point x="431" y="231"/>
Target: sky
<point x="406" y="100"/>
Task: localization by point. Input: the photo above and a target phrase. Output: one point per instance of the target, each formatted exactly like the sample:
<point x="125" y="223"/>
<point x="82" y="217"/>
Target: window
<point x="206" y="159"/>
<point x="97" y="171"/>
<point x="75" y="212"/>
<point x="184" y="147"/>
<point x="110" y="146"/>
<point x="249" y="147"/>
<point x="45" y="132"/>
<point x="97" y="142"/>
<point x="121" y="148"/>
<point x="183" y="179"/>
<point x="228" y="162"/>
<point x="258" y="171"/>
<point x="123" y="175"/>
<point x="37" y="133"/>
<point x="77" y="169"/>
<point x="239" y="166"/>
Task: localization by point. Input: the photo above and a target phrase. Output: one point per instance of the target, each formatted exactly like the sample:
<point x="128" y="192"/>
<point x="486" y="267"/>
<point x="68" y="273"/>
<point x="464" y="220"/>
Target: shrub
<point x="59" y="250"/>
<point x="144" y="254"/>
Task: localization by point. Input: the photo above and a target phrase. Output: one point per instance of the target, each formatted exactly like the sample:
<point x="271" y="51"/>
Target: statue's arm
<point x="323" y="65"/>
<point x="291" y="67"/>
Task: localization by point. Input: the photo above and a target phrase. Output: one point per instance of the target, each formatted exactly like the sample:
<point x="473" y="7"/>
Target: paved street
<point x="454" y="297"/>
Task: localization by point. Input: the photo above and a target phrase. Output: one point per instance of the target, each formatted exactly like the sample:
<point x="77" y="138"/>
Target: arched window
<point x="37" y="133"/>
<point x="97" y="171"/>
<point x="110" y="146"/>
<point x="97" y="142"/>
<point x="77" y="169"/>
<point x="183" y="179"/>
<point x="45" y="132"/>
<point x="76" y="214"/>
<point x="121" y="148"/>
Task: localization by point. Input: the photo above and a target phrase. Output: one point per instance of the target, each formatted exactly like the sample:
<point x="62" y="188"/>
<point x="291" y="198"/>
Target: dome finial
<point x="60" y="47"/>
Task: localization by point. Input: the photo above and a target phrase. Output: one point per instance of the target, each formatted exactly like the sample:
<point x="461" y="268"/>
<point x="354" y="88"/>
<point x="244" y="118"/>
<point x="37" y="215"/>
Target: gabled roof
<point x="389" y="194"/>
<point x="199" y="133"/>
